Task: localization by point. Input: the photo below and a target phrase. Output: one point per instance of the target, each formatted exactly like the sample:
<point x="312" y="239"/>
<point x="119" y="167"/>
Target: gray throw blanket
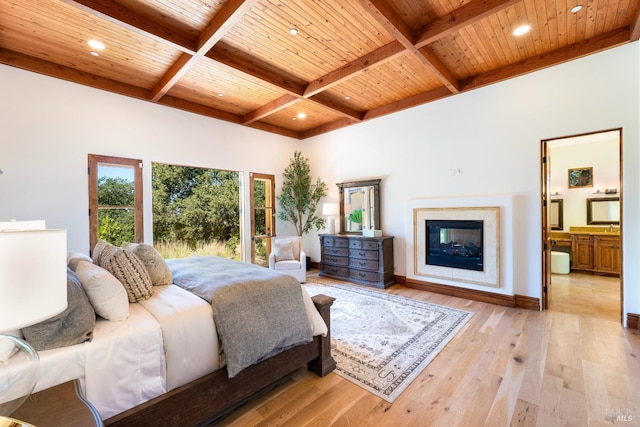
<point x="258" y="312"/>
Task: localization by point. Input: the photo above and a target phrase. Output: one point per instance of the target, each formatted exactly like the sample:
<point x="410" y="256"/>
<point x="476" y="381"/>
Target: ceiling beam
<point x="412" y="101"/>
<point x="326" y="101"/>
<point x="120" y="15"/>
<point x="338" y="124"/>
<point x="347" y="71"/>
<point x="384" y="14"/>
<point x="227" y="17"/>
<point x="40" y="66"/>
<point x="465" y="15"/>
<point x="269" y="108"/>
<point x="578" y="50"/>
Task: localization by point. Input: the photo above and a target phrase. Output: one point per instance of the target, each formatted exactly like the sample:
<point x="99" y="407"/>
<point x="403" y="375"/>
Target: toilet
<point x="560" y="263"/>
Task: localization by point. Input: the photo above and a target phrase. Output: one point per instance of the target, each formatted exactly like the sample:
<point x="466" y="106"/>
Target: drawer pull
<point x="362" y="253"/>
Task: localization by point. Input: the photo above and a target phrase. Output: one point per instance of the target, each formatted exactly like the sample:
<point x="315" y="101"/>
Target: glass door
<point x="263" y="224"/>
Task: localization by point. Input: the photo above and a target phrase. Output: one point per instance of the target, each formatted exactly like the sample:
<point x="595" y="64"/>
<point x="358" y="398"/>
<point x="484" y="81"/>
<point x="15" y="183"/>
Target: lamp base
<point x="331" y="225"/>
<point x="19" y="369"/>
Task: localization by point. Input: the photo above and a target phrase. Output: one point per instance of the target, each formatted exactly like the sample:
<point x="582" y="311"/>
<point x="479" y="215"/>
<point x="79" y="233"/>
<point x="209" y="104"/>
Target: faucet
<point x="611" y="230"/>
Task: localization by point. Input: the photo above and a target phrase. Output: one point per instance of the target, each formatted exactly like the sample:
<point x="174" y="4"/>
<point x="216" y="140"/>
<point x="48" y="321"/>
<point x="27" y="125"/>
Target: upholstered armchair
<point x="287" y="256"/>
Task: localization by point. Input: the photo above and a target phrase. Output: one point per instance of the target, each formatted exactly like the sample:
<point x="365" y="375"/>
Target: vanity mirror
<point x="603" y="210"/>
<point x="556" y="215"/>
<point x="359" y="205"/>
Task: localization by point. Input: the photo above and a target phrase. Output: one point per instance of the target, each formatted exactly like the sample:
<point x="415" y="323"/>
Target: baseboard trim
<point x="633" y="321"/>
<point x="529" y="303"/>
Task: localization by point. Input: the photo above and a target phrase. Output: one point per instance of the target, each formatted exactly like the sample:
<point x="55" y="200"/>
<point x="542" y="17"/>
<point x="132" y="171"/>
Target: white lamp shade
<point x="33" y="276"/>
<point x="329" y="209"/>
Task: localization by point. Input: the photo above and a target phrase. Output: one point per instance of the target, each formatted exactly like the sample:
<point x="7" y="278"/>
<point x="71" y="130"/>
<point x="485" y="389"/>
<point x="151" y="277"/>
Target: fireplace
<point x="455" y="244"/>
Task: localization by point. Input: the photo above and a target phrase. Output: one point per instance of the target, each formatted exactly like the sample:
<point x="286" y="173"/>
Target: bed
<point x="166" y="364"/>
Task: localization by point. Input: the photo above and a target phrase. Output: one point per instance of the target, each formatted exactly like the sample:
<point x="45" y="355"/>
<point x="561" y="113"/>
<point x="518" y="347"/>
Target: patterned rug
<point x="382" y="341"/>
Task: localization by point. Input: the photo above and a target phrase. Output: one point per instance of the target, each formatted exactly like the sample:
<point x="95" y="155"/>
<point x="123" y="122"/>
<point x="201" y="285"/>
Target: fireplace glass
<point x="455" y="244"/>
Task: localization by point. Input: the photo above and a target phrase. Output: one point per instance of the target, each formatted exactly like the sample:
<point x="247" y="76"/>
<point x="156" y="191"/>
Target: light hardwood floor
<point x="506" y="367"/>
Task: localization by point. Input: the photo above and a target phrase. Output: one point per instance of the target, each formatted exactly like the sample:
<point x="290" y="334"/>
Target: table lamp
<point x="330" y="210"/>
<point x="33" y="288"/>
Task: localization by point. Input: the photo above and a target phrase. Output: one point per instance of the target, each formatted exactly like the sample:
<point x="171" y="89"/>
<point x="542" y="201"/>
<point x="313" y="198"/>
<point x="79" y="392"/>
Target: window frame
<point x="96" y="160"/>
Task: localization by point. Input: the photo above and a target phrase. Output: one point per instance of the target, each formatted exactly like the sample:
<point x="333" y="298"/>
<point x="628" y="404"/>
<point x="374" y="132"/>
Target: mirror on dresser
<point x="359" y="205"/>
<point x="603" y="210"/>
<point x="556" y="215"/>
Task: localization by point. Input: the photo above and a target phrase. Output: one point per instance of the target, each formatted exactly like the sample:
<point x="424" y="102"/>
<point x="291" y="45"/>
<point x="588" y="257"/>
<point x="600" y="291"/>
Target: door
<point x="546" y="227"/>
<point x="263" y="220"/>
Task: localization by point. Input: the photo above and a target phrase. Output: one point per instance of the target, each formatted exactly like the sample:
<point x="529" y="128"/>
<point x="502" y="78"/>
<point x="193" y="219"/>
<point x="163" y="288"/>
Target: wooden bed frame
<point x="214" y="395"/>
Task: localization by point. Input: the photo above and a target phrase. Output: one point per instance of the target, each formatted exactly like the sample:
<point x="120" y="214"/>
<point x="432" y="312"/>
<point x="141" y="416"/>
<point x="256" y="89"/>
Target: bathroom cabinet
<point x="597" y="253"/>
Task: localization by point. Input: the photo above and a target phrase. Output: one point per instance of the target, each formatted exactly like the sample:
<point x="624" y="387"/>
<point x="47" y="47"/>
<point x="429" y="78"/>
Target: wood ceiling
<point x="351" y="60"/>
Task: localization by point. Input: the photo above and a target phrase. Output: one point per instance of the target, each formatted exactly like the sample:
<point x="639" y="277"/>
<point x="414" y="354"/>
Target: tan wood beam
<point x="267" y="127"/>
<point x="386" y="16"/>
<point x="635" y="26"/>
<point x="332" y="104"/>
<point x="192" y="107"/>
<point x="588" y="47"/>
<point x="227" y="17"/>
<point x="276" y="105"/>
<point x="463" y="16"/>
<point x="253" y="68"/>
<point x="412" y="101"/>
<point x="347" y="71"/>
<point x="118" y="14"/>
<point x="338" y="124"/>
<point x="40" y="66"/>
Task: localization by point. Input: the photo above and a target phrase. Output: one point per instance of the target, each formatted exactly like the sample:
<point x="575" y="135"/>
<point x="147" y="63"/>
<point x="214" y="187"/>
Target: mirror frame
<point x="375" y="183"/>
<point x="590" y="220"/>
<point x="560" y="225"/>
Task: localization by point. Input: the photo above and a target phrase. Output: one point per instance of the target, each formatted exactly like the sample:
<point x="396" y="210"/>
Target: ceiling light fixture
<point x="521" y="30"/>
<point x="94" y="53"/>
<point x="293" y="31"/>
<point x="95" y="44"/>
<point x="577" y="8"/>
<point x="302" y="115"/>
<point x="220" y="94"/>
<point x="347" y="97"/>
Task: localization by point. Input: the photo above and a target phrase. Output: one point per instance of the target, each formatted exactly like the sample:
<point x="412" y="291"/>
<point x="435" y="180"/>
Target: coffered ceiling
<point x="348" y="61"/>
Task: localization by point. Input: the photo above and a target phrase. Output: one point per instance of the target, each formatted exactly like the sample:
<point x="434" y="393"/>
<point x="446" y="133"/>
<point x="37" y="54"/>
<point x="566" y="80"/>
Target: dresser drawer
<point x="363" y="264"/>
<point x="338" y="242"/>
<point x="334" y="270"/>
<point x="336" y="260"/>
<point x="369" y="276"/>
<point x="363" y="254"/>
<point x="333" y="251"/>
<point x="363" y="244"/>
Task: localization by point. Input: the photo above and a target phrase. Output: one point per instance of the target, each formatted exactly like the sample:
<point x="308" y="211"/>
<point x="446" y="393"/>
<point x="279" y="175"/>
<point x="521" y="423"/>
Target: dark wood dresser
<point x="364" y="260"/>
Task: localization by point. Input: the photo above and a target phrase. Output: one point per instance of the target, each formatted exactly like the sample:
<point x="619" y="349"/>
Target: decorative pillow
<point x="105" y="292"/>
<point x="283" y="250"/>
<point x="73" y="326"/>
<point x="97" y="250"/>
<point x="129" y="270"/>
<point x="156" y="266"/>
<point x="73" y="258"/>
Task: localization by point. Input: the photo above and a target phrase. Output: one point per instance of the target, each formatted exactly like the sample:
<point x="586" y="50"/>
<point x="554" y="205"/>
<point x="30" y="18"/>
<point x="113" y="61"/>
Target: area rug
<point x="382" y="341"/>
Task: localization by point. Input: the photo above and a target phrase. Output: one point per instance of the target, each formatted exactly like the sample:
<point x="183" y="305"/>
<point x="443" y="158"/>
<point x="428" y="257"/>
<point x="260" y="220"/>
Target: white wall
<point x="494" y="134"/>
<point x="602" y="155"/>
<point x="49" y="126"/>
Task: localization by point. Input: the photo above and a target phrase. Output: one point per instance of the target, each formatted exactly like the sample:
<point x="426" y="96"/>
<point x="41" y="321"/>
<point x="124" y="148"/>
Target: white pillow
<point x="73" y="258"/>
<point x="106" y="294"/>
<point x="283" y="250"/>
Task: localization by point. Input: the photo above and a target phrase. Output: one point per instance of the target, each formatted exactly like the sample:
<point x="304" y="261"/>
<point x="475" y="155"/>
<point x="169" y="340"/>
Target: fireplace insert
<point x="455" y="244"/>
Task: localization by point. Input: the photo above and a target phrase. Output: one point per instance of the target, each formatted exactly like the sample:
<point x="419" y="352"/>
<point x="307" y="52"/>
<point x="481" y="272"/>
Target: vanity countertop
<point x="595" y="231"/>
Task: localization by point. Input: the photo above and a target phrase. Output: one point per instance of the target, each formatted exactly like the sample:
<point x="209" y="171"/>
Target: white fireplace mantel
<point x="498" y="274"/>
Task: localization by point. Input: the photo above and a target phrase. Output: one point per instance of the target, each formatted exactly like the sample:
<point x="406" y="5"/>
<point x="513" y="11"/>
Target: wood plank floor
<point x="506" y="367"/>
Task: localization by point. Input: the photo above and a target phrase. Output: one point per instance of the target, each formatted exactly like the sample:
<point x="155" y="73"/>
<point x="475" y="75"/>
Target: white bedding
<point x="167" y="341"/>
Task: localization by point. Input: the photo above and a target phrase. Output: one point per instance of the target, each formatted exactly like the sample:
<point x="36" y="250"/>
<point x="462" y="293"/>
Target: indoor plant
<point x="300" y="196"/>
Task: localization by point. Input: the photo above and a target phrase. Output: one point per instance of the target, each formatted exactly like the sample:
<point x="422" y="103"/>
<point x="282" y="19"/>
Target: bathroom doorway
<point x="582" y="224"/>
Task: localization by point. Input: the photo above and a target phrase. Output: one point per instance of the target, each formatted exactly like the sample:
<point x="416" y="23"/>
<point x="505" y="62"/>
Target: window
<point x="115" y="200"/>
<point x="196" y="211"/>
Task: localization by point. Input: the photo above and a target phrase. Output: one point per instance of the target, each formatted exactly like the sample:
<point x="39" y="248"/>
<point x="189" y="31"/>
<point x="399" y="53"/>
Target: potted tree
<point x="300" y="196"/>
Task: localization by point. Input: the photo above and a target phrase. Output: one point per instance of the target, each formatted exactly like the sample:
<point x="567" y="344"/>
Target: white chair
<point x="287" y="256"/>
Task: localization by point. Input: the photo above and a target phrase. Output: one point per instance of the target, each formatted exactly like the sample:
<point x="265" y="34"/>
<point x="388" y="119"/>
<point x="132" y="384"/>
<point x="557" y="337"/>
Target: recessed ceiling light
<point x="220" y="94"/>
<point x="293" y="31"/>
<point x="95" y="44"/>
<point x="577" y="8"/>
<point x="94" y="53"/>
<point x="302" y="115"/>
<point x="522" y="29"/>
<point x="347" y="97"/>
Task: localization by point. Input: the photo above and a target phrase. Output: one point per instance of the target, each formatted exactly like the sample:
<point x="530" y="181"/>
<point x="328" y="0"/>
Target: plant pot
<point x="308" y="263"/>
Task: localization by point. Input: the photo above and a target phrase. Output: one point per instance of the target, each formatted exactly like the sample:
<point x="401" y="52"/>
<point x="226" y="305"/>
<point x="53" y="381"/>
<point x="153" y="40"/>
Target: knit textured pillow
<point x="156" y="266"/>
<point x="129" y="270"/>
